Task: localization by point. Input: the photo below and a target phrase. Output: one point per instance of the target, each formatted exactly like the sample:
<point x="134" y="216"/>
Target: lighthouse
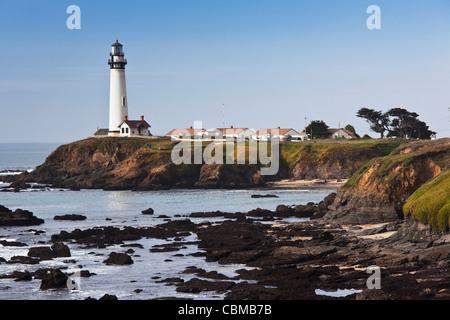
<point x="118" y="104"/>
<point x="119" y="124"/>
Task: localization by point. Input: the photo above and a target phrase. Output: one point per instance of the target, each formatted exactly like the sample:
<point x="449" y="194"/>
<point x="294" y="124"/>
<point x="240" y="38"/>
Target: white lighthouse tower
<point x="118" y="104"/>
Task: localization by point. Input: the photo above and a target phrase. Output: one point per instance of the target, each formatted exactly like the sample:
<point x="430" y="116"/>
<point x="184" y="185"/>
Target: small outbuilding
<point x="134" y="128"/>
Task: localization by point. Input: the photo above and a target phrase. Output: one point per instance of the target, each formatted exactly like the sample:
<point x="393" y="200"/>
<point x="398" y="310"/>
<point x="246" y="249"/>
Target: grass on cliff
<point x="405" y="154"/>
<point x="430" y="204"/>
<point x="339" y="151"/>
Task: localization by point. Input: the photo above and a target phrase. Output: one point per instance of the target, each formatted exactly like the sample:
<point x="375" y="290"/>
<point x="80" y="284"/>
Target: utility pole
<point x="305" y="130"/>
<point x="223" y="115"/>
<point x="339" y="128"/>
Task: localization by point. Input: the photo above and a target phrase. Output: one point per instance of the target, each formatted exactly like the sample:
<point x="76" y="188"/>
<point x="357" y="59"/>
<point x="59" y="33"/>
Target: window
<point x="117" y="50"/>
<point x="123" y="130"/>
<point x="127" y="130"/>
<point x="124" y="101"/>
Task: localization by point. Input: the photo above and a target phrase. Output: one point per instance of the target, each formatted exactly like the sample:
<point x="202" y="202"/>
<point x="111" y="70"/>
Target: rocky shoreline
<point x="286" y="261"/>
<point x="339" y="243"/>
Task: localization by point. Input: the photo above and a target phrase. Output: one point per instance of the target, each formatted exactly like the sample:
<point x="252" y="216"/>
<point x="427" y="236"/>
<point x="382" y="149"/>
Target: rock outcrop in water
<point x="19" y="217"/>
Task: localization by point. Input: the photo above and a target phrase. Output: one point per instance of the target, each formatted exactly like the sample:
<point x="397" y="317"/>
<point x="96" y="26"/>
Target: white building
<point x="234" y="133"/>
<point x="185" y="133"/>
<point x="119" y="125"/>
<point x="341" y="133"/>
<point x="283" y="134"/>
<point x="134" y="128"/>
<point x="118" y="105"/>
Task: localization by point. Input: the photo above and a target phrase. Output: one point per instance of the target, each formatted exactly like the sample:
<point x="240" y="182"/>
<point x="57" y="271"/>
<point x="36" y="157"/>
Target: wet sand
<point x="313" y="183"/>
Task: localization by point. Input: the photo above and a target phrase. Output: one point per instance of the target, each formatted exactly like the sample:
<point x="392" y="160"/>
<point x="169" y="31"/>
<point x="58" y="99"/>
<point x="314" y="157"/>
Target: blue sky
<point x="271" y="62"/>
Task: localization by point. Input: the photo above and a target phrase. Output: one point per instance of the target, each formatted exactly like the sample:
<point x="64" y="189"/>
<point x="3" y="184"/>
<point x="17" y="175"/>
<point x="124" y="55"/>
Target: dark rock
<point x="323" y="206"/>
<point x="283" y="209"/>
<point x="118" y="259"/>
<point x="258" y="212"/>
<point x="165" y="248"/>
<point x="20" y="184"/>
<point x="202" y="273"/>
<point x="108" y="297"/>
<point x="25" y="276"/>
<point x="23" y="260"/>
<point x="148" y="211"/>
<point x="43" y="253"/>
<point x="327" y="201"/>
<point x="264" y="196"/>
<point x="86" y="274"/>
<point x="133" y="245"/>
<point x="99" y="237"/>
<point x="104" y="236"/>
<point x="12" y="243"/>
<point x="17" y="218"/>
<point x="211" y="214"/>
<point x="373" y="231"/>
<point x="171" y="280"/>
<point x="196" y="285"/>
<point x="305" y="211"/>
<point x="55" y="279"/>
<point x="72" y="217"/>
<point x="372" y="294"/>
<point x="61" y="250"/>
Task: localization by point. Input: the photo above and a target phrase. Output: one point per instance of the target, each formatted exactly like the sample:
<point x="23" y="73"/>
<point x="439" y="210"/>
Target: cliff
<point x="131" y="164"/>
<point x="330" y="159"/>
<point x="378" y="191"/>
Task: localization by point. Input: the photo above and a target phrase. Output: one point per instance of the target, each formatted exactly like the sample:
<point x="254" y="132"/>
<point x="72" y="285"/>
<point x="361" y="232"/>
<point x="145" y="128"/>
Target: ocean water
<point x="24" y="156"/>
<point x="121" y="208"/>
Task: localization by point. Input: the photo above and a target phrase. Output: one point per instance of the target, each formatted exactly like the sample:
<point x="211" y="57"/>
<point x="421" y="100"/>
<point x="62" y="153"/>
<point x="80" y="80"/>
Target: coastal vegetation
<point x="397" y="122"/>
<point x="378" y="190"/>
<point x="430" y="204"/>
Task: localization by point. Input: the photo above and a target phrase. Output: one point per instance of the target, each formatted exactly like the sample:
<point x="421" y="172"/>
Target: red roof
<point x="136" y="123"/>
<point x="230" y="130"/>
<point x="331" y="131"/>
<point x="281" y="131"/>
<point x="190" y="130"/>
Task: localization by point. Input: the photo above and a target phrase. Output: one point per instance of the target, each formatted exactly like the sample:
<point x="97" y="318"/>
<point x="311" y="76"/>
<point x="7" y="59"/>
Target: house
<point x="134" y="128"/>
<point x="233" y="132"/>
<point x="302" y="136"/>
<point x="284" y="134"/>
<point x="101" y="133"/>
<point x="211" y="133"/>
<point x="341" y="133"/>
<point x="186" y="133"/>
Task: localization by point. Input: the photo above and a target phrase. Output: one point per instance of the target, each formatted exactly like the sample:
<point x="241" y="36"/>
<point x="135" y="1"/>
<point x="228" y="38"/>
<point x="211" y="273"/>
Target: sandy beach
<point x="316" y="183"/>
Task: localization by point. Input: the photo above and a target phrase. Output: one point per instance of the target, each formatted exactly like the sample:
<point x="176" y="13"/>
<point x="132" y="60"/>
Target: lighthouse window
<point x="117" y="50"/>
<point x="124" y="101"/>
